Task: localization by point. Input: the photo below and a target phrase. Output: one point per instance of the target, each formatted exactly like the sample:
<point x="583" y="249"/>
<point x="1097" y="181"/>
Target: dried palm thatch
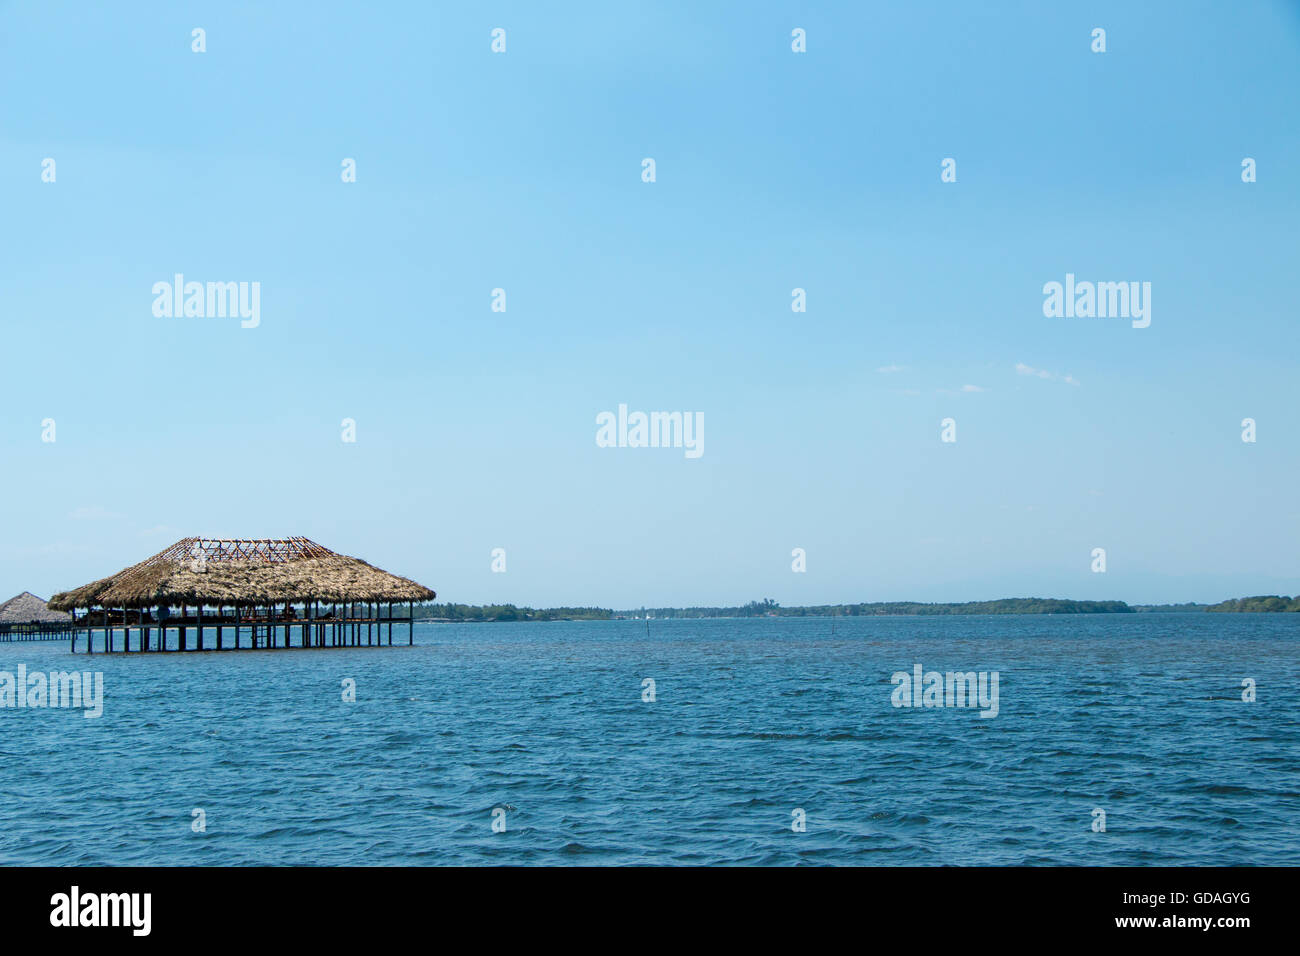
<point x="27" y="608"/>
<point x="220" y="571"/>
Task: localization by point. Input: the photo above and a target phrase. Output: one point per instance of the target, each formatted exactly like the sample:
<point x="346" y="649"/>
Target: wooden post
<point x="198" y="620"/>
<point x="410" y="625"/>
<point x="390" y="623"/>
<point x="221" y="617"/>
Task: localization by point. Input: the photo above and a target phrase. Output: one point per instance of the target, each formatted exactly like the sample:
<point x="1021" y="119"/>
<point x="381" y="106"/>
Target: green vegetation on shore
<point x="1265" y="602"/>
<point x="770" y="608"/>
<point x="508" y="612"/>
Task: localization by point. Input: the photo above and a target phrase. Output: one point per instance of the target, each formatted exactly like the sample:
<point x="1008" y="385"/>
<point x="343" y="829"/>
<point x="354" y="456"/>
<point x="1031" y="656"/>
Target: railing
<point x="359" y="625"/>
<point x="34" y="631"/>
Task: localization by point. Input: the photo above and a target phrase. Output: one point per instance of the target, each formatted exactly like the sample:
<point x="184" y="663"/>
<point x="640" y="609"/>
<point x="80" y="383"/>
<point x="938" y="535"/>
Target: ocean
<point x="768" y="742"/>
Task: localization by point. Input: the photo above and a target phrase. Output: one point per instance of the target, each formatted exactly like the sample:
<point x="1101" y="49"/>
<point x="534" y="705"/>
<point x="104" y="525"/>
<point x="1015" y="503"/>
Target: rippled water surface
<point x="1137" y="714"/>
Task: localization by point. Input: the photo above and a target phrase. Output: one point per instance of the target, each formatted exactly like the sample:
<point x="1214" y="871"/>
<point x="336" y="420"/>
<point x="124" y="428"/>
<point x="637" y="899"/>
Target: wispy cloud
<point x="1043" y="373"/>
<point x="890" y="369"/>
<point x="157" y="531"/>
<point x="91" y="513"/>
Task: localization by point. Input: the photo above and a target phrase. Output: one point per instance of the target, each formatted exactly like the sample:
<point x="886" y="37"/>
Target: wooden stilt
<point x="410" y="626"/>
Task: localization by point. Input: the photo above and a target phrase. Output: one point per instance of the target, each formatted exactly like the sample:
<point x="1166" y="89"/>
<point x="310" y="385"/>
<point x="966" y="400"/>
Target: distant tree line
<point x="770" y="608"/>
<point x="507" y="612"/>
<point x="1264" y="602"/>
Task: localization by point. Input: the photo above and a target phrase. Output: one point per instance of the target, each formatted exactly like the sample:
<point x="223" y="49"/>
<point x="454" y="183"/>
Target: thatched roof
<point x="243" y="571"/>
<point x="27" y="608"/>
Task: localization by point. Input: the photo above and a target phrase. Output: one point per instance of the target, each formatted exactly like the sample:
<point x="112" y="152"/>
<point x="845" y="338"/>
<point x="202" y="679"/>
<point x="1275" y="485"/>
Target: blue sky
<point x="775" y="170"/>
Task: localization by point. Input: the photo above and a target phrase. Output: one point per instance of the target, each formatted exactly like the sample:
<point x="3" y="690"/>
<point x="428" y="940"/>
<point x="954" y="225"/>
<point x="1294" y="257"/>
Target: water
<point x="1137" y="714"/>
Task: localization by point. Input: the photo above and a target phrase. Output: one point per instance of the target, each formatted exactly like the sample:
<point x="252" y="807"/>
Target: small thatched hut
<point x="27" y="608"/>
<point x="25" y="617"/>
<point x="263" y="584"/>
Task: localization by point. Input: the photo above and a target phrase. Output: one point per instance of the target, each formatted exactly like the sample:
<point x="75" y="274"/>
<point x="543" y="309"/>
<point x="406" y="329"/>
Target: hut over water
<point x="27" y="608"/>
<point x="263" y="587"/>
<point x="25" y="617"/>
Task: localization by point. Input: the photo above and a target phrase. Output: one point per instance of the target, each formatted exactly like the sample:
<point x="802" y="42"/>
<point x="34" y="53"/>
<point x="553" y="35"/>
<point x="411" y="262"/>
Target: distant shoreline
<point x="465" y="613"/>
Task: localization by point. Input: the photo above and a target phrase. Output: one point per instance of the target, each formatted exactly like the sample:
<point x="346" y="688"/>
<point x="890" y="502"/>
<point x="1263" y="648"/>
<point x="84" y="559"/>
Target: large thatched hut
<point x="201" y="585"/>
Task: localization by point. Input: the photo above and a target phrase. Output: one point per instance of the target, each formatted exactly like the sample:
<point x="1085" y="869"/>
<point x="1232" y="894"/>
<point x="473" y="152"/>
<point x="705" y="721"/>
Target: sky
<point x="775" y="170"/>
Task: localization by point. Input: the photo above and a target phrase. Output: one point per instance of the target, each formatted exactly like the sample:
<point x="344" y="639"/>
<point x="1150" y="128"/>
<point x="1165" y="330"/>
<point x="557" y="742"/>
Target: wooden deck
<point x="117" y="633"/>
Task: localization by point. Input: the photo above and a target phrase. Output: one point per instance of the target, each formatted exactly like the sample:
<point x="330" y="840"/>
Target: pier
<point x="219" y="594"/>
